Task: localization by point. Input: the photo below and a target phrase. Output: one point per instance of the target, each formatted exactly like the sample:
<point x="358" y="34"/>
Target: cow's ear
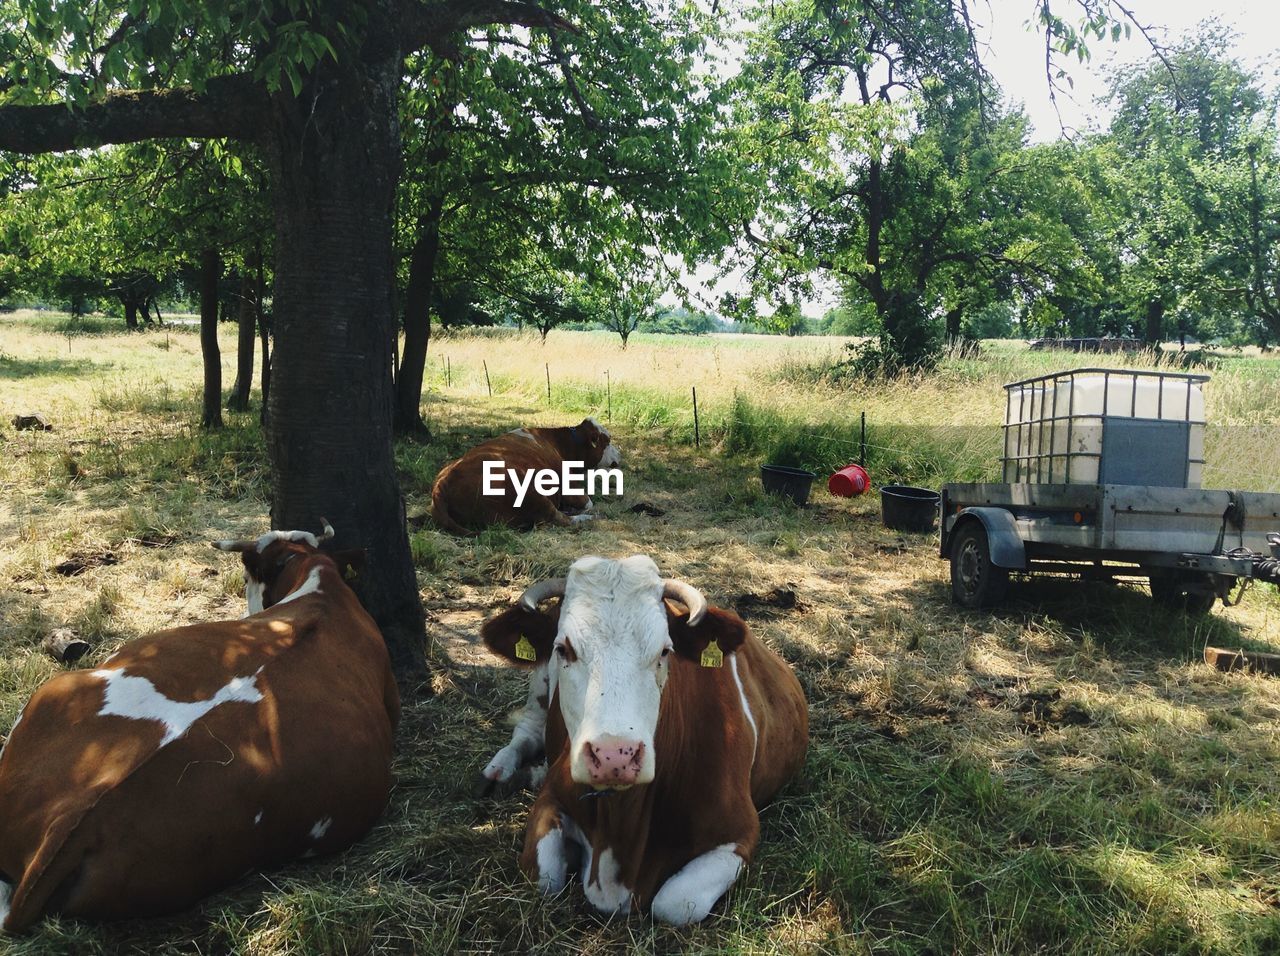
<point x="723" y="628"/>
<point x="350" y="563"/>
<point x="521" y="636"/>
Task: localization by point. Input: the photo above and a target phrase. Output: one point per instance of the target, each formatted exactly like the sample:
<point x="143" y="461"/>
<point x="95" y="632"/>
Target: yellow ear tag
<point x="524" y="650"/>
<point x="712" y="656"/>
<point x="350" y="573"/>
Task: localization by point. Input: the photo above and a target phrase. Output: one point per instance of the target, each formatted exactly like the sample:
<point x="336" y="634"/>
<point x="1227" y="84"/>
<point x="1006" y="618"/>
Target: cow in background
<point x="459" y="505"/>
<point x="196" y="754"/>
<point x="666" y="729"/>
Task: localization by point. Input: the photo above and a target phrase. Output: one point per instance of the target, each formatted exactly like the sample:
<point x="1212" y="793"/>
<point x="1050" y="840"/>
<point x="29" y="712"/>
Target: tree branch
<point x="434" y="25"/>
<point x="229" y="106"/>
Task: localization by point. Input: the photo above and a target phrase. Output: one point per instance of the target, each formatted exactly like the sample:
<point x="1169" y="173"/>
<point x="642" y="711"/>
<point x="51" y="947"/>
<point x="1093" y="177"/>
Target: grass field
<point x="1061" y="776"/>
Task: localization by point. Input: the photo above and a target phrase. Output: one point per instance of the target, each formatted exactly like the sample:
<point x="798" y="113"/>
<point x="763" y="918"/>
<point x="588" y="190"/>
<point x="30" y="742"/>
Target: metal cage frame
<point x="1018" y="434"/>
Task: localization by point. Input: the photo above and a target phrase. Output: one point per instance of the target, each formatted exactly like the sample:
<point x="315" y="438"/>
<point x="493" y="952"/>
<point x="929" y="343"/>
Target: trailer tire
<point x="1170" y="591"/>
<point x="975" y="581"/>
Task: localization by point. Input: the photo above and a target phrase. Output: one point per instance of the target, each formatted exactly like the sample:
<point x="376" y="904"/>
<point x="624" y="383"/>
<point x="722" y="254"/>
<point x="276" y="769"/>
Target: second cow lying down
<point x="459" y="505"/>
<point x="196" y="754"/>
<point x="665" y="731"/>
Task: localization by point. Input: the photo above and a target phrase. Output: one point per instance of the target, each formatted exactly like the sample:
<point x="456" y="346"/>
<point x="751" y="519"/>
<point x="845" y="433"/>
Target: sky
<point x="1015" y="57"/>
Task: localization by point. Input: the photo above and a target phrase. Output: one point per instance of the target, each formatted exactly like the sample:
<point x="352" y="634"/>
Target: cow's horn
<point x="536" y="594"/>
<point x="327" y="533"/>
<point x="235" y="545"/>
<point x="687" y="595"/>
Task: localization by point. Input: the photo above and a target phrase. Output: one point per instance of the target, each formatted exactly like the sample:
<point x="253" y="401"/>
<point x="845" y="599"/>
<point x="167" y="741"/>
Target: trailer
<point x="1102" y="471"/>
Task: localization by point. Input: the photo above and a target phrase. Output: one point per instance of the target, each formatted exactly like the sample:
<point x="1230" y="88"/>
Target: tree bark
<point x="227" y="106"/>
<point x="1155" y="322"/>
<point x="334" y="155"/>
<point x="131" y="315"/>
<point x="417" y="322"/>
<point x="953" y="325"/>
<point x="210" y="273"/>
<point x="239" y="400"/>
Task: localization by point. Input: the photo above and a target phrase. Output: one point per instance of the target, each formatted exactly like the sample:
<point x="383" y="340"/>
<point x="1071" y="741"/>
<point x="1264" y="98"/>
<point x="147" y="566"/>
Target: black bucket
<point x="791" y="483"/>
<point x="904" y="508"/>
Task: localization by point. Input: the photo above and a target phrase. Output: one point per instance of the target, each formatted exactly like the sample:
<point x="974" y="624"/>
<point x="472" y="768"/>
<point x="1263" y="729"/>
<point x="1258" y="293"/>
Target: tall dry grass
<point x="777" y="398"/>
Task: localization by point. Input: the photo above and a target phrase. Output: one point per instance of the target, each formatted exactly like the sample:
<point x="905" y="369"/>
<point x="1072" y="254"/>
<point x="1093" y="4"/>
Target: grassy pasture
<point x="1061" y="776"/>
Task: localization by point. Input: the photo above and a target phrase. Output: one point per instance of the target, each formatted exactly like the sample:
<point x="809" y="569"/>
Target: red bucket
<point x="849" y="481"/>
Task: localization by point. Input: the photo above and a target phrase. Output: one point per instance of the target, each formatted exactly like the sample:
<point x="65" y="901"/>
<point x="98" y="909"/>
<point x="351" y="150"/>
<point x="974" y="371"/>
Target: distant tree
<point x="1174" y="118"/>
<point x="681" y="321"/>
<point x="884" y="160"/>
<point x="626" y="293"/>
<point x="125" y="221"/>
<point x="549" y="304"/>
<point x="512" y="172"/>
<point x="992" y="321"/>
<point x="1242" y="264"/>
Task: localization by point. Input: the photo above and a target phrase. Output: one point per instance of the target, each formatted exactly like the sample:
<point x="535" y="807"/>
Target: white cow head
<point x="612" y="645"/>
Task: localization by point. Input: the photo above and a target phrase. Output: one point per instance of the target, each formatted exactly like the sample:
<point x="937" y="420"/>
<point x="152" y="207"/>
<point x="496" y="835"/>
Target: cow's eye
<point x="565" y="652"/>
<point x="666" y="651"/>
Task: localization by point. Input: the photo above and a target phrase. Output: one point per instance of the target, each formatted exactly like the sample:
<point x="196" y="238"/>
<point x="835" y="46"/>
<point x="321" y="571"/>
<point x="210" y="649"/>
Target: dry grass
<point x="1061" y="776"/>
<point x="775" y="397"/>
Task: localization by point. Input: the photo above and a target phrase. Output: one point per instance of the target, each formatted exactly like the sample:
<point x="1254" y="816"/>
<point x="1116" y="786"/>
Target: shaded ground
<point x="1062" y="775"/>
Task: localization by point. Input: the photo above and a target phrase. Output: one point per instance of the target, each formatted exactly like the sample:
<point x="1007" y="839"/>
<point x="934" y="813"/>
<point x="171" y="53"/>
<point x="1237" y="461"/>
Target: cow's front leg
<point x="527" y="739"/>
<point x="576" y="504"/>
<point x="688" y="896"/>
<point x="548" y="850"/>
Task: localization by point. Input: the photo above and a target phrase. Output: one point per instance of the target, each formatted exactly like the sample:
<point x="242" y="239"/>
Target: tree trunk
<point x="334" y="154"/>
<point x="953" y="325"/>
<point x="239" y="400"/>
<point x="417" y="322"/>
<point x="1155" y="322"/>
<point x="210" y="273"/>
<point x="131" y="315"/>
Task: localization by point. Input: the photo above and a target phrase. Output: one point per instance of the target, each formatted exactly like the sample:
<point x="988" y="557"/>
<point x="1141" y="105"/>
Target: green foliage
<point x="992" y="321"/>
<point x="65" y="50"/>
<point x="1178" y="129"/>
<point x="680" y="321"/>
<point x="531" y="187"/>
<point x="117" y="226"/>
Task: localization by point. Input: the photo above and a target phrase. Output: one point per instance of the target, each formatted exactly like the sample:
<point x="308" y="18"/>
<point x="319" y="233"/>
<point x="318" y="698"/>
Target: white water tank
<point x="1106" y="427"/>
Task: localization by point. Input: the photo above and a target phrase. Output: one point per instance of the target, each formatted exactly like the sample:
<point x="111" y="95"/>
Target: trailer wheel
<point x="975" y="581"/>
<point x="1183" y="592"/>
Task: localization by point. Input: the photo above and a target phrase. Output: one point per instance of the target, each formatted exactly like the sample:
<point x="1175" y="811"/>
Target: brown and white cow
<point x="667" y="730"/>
<point x="196" y="754"/>
<point x="459" y="505"/>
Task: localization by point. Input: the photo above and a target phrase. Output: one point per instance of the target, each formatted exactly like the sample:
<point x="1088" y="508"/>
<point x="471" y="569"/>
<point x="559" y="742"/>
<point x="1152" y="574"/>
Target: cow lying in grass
<point x="665" y="731"/>
<point x="458" y="501"/>
<point x="196" y="754"/>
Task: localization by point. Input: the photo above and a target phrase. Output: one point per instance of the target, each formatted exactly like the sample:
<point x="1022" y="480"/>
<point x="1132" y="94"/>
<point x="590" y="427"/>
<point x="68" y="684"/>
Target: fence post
<point x="697" y="443"/>
<point x="488" y="385"/>
<point x="448" y="371"/>
<point x="862" y="445"/>
<point x="548" y="366"/>
<point x="608" y="397"/>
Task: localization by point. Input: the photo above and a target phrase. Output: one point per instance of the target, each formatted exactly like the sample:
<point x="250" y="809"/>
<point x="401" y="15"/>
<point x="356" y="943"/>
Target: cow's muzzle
<point x="613" y="761"/>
